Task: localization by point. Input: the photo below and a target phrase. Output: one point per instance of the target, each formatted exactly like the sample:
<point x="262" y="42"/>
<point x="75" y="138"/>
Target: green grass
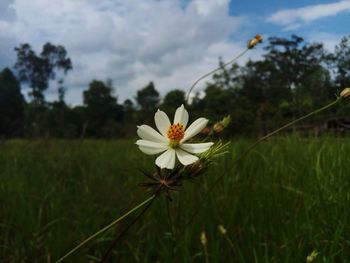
<point x="288" y="197"/>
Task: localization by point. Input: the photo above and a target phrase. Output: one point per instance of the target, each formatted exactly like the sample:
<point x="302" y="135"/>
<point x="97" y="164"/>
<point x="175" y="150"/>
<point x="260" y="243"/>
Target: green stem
<point x="206" y="253"/>
<point x="230" y="243"/>
<point x="216" y="182"/>
<point x="110" y="249"/>
<point x="286" y="126"/>
<point x="106" y="228"/>
<point x="213" y="71"/>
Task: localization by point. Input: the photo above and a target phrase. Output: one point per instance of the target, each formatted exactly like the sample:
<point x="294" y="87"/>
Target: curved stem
<point x="216" y="182"/>
<point x="213" y="71"/>
<point x="115" y="241"/>
<point x="284" y="127"/>
<point x="106" y="228"/>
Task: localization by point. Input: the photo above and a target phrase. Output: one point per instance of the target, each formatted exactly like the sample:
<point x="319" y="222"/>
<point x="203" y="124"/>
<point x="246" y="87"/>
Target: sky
<point x="169" y="42"/>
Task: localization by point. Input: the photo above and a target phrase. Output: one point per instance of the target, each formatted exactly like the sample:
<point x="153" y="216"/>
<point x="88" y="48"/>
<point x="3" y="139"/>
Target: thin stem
<point x="206" y="255"/>
<point x="284" y="127"/>
<point x="115" y="241"/>
<point x="172" y="228"/>
<point x="169" y="217"/>
<point x="106" y="228"/>
<point x="216" y="182"/>
<point x="213" y="71"/>
<point x="230" y="243"/>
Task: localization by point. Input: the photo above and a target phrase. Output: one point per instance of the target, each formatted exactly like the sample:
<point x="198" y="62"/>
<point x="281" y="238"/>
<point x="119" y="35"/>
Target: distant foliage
<point x="103" y="114"/>
<point x="38" y="70"/>
<point x="11" y="104"/>
<point x="342" y="62"/>
<point x="147" y="100"/>
<point x="291" y="79"/>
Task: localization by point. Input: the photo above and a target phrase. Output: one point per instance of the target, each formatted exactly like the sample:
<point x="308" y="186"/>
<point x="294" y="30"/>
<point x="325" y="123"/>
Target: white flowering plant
<point x="179" y="157"/>
<point x="172" y="140"/>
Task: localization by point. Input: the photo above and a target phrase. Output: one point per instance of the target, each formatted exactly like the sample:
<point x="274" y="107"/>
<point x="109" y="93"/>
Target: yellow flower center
<point x="175" y="133"/>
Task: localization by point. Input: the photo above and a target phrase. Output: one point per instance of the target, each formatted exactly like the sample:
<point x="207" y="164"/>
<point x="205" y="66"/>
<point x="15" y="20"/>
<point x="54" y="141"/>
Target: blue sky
<point x="316" y="20"/>
<point x="170" y="42"/>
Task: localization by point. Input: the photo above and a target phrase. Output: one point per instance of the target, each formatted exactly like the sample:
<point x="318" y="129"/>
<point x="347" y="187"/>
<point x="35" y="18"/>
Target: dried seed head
<point x="345" y="93"/>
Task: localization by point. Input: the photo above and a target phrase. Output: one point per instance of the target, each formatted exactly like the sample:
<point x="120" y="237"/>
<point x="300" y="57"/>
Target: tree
<point x="292" y="62"/>
<point x="223" y="96"/>
<point x="38" y="70"/>
<point x="102" y="112"/>
<point x="129" y="110"/>
<point x="292" y="79"/>
<point x="342" y="61"/>
<point x="172" y="100"/>
<point x="59" y="121"/>
<point x="11" y="104"/>
<point x="147" y="99"/>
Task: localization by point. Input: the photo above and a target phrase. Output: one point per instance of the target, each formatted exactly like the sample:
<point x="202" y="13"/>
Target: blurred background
<point x="74" y="69"/>
<point x="76" y="77"/>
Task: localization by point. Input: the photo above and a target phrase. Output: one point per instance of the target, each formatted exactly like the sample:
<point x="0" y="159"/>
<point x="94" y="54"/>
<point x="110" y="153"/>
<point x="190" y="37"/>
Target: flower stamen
<point x="175" y="133"/>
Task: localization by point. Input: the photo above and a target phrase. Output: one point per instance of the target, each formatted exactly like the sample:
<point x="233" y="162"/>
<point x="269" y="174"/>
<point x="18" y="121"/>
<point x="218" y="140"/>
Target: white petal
<point x="181" y="116"/>
<point x="150" y="151"/>
<point x="148" y="133"/>
<point x="196" y="147"/>
<point x="149" y="147"/>
<point x="162" y="122"/>
<point x="166" y="160"/>
<point x="195" y="128"/>
<point x="185" y="158"/>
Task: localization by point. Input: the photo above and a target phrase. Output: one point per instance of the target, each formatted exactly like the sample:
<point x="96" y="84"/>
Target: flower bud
<point x="205" y="131"/>
<point x="218" y="127"/>
<point x="204" y="240"/>
<point x="221" y="125"/>
<point x="254" y="41"/>
<point x="222" y="229"/>
<point x="311" y="258"/>
<point x="226" y="121"/>
<point x="345" y="93"/>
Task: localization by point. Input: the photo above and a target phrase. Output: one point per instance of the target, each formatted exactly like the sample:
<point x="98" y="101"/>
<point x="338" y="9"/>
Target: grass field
<point x="288" y="197"/>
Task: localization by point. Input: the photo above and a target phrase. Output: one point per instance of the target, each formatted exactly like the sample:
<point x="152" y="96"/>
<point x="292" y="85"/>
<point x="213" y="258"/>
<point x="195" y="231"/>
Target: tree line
<point x="292" y="78"/>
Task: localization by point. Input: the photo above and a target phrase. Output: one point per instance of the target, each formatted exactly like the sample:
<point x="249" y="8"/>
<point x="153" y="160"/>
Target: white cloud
<point x="7" y="42"/>
<point x="329" y="40"/>
<point x="130" y="41"/>
<point x="294" y="18"/>
<point x="6" y="11"/>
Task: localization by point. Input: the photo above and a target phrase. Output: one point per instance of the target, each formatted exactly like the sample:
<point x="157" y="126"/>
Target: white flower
<point x="171" y="139"/>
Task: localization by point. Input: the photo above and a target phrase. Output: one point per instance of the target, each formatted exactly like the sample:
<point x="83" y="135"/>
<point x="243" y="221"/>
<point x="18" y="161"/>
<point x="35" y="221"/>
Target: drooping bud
<point x="345" y="93"/>
<point x="222" y="230"/>
<point x="204" y="240"/>
<point x="221" y="125"/>
<point x="205" y="131"/>
<point x="218" y="127"/>
<point x="226" y="121"/>
<point x="311" y="258"/>
<point x="254" y="41"/>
